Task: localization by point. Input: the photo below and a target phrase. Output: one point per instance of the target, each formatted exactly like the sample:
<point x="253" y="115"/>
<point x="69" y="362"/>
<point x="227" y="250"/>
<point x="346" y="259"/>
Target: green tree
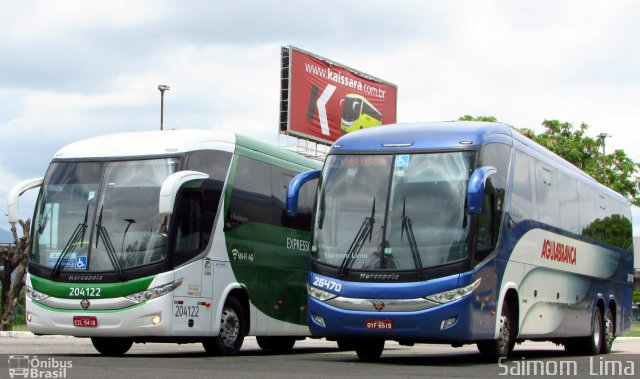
<point x="615" y="170"/>
<point x="468" y="117"/>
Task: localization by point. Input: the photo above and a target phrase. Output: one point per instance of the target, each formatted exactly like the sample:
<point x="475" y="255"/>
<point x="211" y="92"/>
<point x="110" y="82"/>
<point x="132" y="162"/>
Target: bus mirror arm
<point x="172" y="185"/>
<point x="13" y="203"/>
<point x="293" y="190"/>
<point x="475" y="188"/>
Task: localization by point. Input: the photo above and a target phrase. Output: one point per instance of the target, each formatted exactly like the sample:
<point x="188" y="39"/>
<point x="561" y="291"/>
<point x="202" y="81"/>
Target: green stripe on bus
<point x="64" y="290"/>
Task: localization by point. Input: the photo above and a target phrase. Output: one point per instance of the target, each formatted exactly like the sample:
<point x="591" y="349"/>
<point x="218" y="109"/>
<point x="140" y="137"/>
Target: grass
<point x="20" y="328"/>
<point x="634" y="331"/>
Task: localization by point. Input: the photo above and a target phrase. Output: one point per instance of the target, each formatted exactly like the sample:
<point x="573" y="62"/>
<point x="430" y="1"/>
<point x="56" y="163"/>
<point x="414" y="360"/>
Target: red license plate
<point x="85" y="321"/>
<point x="379" y="324"/>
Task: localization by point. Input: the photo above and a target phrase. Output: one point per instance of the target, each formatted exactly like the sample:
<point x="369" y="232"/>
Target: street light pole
<point x="602" y="136"/>
<point x="162" y="88"/>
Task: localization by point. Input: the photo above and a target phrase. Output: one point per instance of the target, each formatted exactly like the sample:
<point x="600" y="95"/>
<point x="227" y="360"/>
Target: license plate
<point x="85" y="321"/>
<point x="379" y="324"/>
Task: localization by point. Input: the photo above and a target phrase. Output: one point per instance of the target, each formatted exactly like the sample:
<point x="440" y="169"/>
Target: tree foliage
<point x="615" y="169"/>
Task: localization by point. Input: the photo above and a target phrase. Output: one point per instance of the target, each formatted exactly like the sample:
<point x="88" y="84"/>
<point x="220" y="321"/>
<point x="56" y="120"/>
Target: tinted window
<point x="212" y="162"/>
<point x="251" y="194"/>
<point x="368" y="110"/>
<point x="498" y="156"/>
<point x="547" y="194"/>
<point x="569" y="212"/>
<point x="587" y="206"/>
<point x="522" y="199"/>
<point x="195" y="215"/>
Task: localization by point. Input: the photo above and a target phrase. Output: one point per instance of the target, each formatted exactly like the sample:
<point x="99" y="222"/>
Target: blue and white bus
<point x="464" y="232"/>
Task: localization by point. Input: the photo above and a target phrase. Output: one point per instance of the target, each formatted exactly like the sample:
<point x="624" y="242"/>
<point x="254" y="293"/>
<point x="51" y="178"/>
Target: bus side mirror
<point x="475" y="188"/>
<point x="293" y="190"/>
<point x="13" y="203"/>
<point x="172" y="185"/>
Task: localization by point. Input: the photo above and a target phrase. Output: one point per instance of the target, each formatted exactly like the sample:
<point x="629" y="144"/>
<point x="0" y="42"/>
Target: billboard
<point x="321" y="100"/>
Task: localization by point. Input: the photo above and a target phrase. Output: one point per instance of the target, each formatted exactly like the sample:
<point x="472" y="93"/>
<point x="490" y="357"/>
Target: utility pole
<point x="162" y="88"/>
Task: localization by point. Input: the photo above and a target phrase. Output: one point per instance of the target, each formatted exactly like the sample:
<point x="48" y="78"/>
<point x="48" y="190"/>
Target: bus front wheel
<point x="369" y="350"/>
<point x="112" y="346"/>
<point x="280" y="344"/>
<point x="232" y="330"/>
<point x="502" y="346"/>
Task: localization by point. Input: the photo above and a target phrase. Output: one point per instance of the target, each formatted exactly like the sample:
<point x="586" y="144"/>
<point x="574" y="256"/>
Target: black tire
<point x="232" y="330"/>
<point x="591" y="344"/>
<point x="346" y="344"/>
<point x="501" y="347"/>
<point x="112" y="346"/>
<point x="279" y="344"/>
<point x="369" y="350"/>
<point x="608" y="332"/>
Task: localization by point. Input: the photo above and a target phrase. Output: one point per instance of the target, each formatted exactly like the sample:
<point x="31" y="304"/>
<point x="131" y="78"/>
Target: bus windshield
<point x="393" y="212"/>
<point x="101" y="216"/>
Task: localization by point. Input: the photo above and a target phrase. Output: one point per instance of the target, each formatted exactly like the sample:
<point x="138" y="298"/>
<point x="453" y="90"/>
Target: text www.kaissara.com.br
<point x="337" y="77"/>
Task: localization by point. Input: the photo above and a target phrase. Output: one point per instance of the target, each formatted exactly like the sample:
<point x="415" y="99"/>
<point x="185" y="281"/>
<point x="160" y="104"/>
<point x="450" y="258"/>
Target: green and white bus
<point x="169" y="236"/>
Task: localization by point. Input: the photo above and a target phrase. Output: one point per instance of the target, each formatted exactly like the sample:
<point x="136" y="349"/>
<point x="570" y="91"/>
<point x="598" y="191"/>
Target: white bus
<point x="168" y="236"/>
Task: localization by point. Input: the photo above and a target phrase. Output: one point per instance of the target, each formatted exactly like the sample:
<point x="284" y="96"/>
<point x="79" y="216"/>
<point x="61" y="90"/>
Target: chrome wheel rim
<point x="596" y="329"/>
<point x="608" y="331"/>
<point x="504" y="336"/>
<point x="229" y="327"/>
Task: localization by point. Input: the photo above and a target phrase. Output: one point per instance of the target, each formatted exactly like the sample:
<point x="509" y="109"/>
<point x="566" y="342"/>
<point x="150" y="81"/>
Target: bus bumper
<point x="446" y="323"/>
<point x="152" y="318"/>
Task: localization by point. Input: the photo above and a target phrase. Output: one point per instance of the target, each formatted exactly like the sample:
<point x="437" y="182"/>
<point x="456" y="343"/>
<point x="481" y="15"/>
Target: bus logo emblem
<point x="378" y="305"/>
<point x="85" y="304"/>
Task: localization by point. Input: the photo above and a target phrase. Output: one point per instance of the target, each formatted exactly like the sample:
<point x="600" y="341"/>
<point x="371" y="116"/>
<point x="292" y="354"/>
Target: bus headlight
<point x="35" y="295"/>
<point x="455" y="294"/>
<point x="319" y="294"/>
<point x="152" y="293"/>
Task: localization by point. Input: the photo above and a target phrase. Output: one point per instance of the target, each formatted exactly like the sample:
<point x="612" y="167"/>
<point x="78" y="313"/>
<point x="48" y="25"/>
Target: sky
<point x="76" y="69"/>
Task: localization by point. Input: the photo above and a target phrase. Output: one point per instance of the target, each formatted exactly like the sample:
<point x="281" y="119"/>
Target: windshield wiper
<point x="77" y="236"/>
<point x="406" y="225"/>
<point x="366" y="230"/>
<point x="101" y="232"/>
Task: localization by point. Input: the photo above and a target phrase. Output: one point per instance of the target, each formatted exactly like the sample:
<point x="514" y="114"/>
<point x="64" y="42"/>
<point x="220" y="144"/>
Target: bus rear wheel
<point x="112" y="346"/>
<point x="280" y="344"/>
<point x="608" y="334"/>
<point x="369" y="350"/>
<point x="589" y="345"/>
<point x="232" y="330"/>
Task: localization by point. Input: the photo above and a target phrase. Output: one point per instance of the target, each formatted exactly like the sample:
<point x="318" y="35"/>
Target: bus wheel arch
<point x="242" y="296"/>
<point x="503" y="344"/>
<point x="511" y="300"/>
<point x="232" y="330"/>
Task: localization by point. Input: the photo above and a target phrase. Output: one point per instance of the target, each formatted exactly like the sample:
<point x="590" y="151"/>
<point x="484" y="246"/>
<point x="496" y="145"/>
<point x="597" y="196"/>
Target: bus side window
<point x="490" y="219"/>
<point x="194" y="217"/>
<point x="280" y="179"/>
<point x="251" y="194"/>
<point x="522" y="198"/>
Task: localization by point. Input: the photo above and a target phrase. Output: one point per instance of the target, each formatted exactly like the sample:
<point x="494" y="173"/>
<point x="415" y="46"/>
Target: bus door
<point x="193" y="223"/>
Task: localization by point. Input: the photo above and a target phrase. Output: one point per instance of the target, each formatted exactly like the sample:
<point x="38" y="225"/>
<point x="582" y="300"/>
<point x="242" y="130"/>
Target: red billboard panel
<point x="323" y="100"/>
